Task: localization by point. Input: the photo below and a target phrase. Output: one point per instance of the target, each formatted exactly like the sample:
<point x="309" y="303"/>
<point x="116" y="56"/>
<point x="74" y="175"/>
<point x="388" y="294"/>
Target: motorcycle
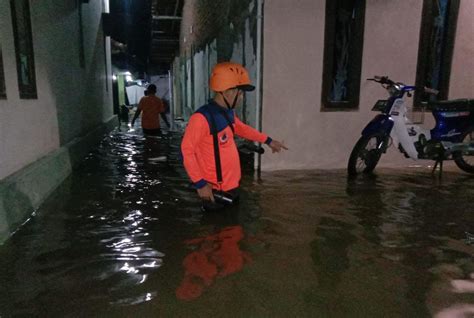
<point x="452" y="137"/>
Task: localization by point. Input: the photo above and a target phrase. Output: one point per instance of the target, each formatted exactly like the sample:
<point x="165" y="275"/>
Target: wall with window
<point x="296" y="64"/>
<point x="55" y="65"/>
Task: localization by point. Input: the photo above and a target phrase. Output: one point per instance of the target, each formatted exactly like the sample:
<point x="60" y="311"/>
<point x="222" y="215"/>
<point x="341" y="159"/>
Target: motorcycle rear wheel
<point x="465" y="161"/>
<point x="365" y="155"/>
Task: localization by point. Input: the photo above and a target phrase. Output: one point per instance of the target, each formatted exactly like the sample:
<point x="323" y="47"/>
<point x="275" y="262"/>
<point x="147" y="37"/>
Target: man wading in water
<point x="209" y="151"/>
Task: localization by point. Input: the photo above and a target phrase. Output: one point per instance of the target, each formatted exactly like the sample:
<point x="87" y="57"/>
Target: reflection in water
<point x="413" y="220"/>
<point x="330" y="251"/>
<point x="457" y="311"/>
<point x="216" y="255"/>
<point x="109" y="242"/>
<point x="469" y="238"/>
<point x="461" y="286"/>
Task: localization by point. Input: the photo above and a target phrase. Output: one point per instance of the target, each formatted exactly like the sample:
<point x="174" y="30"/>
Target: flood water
<point x="124" y="237"/>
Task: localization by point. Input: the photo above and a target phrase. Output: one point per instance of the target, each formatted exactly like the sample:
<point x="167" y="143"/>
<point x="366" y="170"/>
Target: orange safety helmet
<point x="229" y="75"/>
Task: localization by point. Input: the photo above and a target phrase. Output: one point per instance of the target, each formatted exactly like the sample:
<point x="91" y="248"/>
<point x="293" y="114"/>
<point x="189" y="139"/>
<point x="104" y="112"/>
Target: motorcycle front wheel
<point x="465" y="161"/>
<point x="365" y="155"/>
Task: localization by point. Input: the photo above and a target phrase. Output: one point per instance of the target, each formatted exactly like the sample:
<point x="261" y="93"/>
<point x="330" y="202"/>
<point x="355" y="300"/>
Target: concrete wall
<point x="71" y="100"/>
<point x="292" y="76"/>
<point x="211" y="32"/>
<point x="462" y="73"/>
<point x="162" y="85"/>
<point x="41" y="139"/>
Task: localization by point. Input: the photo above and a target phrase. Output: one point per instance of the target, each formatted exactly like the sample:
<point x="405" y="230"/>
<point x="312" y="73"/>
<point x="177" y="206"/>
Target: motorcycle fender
<point x="381" y="124"/>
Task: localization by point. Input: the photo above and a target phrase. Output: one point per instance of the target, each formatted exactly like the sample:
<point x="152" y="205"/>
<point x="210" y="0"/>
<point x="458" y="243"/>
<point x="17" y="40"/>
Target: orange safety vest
<point x="198" y="145"/>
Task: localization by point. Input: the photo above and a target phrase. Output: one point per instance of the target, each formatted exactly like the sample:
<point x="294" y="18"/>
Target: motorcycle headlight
<point x="394" y="90"/>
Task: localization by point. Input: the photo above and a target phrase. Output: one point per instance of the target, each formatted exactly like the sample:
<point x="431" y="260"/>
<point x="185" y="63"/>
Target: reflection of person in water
<point x="217" y="255"/>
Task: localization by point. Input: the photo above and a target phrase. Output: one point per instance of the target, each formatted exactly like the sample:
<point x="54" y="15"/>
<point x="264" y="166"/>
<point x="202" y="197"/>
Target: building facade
<point x="55" y="97"/>
<point x="316" y="57"/>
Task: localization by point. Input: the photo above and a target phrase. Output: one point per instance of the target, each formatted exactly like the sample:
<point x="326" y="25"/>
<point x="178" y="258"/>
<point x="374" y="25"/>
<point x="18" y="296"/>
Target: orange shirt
<point x="198" y="151"/>
<point x="151" y="107"/>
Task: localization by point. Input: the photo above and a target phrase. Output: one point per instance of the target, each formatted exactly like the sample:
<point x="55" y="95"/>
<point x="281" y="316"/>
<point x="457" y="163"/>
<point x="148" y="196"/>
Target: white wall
<point x="201" y="69"/>
<point x="71" y="100"/>
<point x="292" y="78"/>
<point x="462" y="72"/>
<point x="162" y="85"/>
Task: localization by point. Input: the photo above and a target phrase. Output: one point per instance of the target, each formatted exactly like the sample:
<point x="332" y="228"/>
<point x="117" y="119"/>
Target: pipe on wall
<point x="171" y="99"/>
<point x="259" y="86"/>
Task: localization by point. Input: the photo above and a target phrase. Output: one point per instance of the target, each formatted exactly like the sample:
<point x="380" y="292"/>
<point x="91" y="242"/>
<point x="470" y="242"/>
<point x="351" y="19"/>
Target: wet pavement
<point x="124" y="237"/>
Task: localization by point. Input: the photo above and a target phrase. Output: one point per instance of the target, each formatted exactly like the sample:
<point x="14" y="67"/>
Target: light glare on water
<point x="124" y="236"/>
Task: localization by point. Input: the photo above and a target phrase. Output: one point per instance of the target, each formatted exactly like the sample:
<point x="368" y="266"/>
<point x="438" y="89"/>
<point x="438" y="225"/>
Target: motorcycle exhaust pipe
<point x="466" y="147"/>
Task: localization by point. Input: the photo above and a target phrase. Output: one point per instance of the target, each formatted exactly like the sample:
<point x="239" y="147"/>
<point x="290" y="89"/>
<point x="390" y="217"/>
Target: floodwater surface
<point x="124" y="236"/>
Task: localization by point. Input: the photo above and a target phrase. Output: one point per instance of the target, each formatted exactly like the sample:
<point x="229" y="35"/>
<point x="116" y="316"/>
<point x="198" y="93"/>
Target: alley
<point x="97" y="220"/>
<point x="124" y="236"/>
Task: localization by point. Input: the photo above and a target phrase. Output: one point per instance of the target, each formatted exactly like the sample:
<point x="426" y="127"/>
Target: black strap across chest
<point x="217" y="154"/>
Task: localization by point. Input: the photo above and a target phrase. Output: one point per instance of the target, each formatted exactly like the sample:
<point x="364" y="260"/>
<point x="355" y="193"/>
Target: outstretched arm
<point x="165" y="119"/>
<point x="137" y="113"/>
<point x="277" y="146"/>
<point x="250" y="133"/>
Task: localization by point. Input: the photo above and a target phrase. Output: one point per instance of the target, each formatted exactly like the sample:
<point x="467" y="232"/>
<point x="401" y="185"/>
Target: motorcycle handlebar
<point x="381" y="80"/>
<point x="385" y="80"/>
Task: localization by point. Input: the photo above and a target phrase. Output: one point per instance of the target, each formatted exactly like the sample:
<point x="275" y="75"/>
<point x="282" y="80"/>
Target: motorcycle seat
<point x="454" y="105"/>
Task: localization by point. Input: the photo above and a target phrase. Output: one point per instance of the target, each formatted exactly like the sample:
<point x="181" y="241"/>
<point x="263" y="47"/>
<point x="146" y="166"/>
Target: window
<point x="343" y="44"/>
<point x="3" y="91"/>
<point x="438" y="30"/>
<point x="24" y="48"/>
